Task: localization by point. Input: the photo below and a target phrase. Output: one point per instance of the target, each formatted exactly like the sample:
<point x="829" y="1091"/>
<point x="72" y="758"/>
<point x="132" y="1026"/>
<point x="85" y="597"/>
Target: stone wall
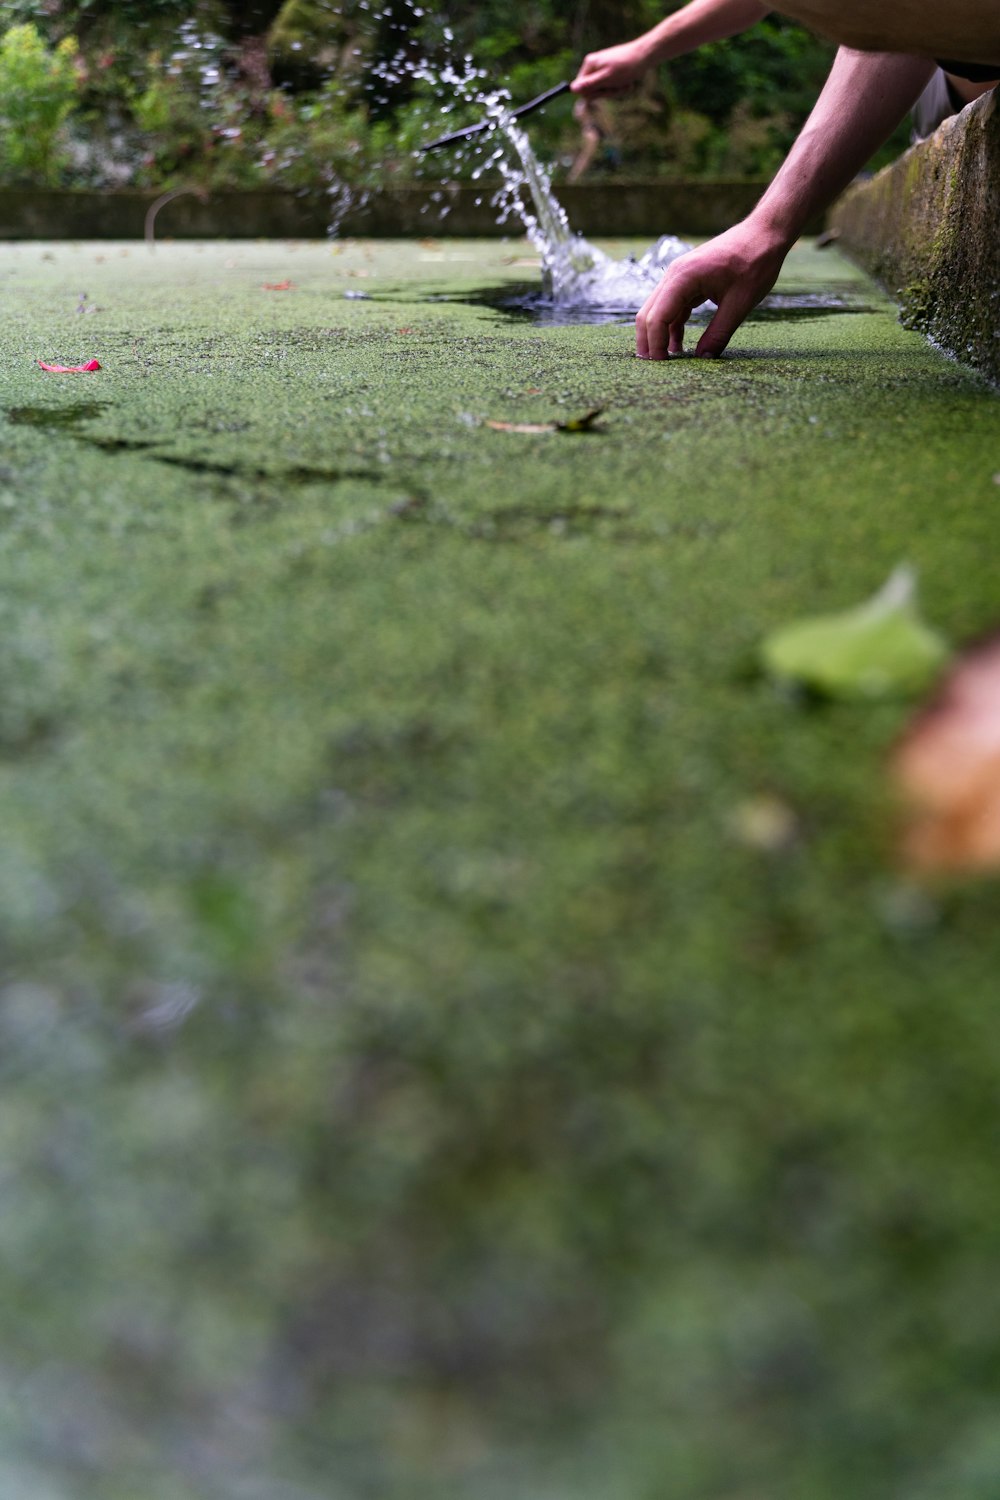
<point x="696" y="207"/>
<point x="928" y="229"/>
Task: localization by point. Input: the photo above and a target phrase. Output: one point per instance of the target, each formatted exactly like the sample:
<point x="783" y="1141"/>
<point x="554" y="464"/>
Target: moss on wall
<point x="926" y="228"/>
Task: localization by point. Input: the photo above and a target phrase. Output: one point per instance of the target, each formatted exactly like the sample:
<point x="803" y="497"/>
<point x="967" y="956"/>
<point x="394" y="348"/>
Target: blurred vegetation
<point x="309" y="94"/>
<point x="38" y="87"/>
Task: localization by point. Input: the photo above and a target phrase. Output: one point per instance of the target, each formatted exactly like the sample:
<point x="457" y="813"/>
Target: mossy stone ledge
<point x="694" y="206"/>
<point x="926" y="228"/>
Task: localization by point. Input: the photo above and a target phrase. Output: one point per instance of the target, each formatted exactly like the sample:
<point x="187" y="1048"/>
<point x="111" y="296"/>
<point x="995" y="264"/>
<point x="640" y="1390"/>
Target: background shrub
<point x="39" y="86"/>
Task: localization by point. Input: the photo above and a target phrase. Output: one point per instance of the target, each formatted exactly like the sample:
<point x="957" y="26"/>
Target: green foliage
<point x="38" y="89"/>
<point x="225" y="137"/>
<point x="310" y="41"/>
<point x="732" y="108"/>
<point x="321" y="142"/>
<point x="776" y="66"/>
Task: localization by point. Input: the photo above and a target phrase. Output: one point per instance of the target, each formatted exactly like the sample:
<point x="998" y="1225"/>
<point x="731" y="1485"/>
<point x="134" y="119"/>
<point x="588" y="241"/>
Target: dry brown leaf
<point x="947" y="767"/>
<point x="520" y="426"/>
<point x="573" y="424"/>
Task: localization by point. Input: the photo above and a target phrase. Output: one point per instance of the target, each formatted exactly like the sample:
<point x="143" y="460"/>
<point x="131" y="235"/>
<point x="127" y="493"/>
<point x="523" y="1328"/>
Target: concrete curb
<point x="928" y="229"/>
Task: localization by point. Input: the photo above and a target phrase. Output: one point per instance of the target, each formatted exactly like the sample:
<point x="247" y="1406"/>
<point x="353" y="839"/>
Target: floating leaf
<point x="521" y="426"/>
<point x="581" y="424"/>
<point x="92" y="364"/>
<point x="947" y="767"/>
<point x="575" y="424"/>
<point x="878" y="649"/>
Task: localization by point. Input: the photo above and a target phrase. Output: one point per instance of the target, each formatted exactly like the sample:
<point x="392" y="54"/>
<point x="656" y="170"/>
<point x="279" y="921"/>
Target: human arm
<point x="617" y="68"/>
<point x="863" y="100"/>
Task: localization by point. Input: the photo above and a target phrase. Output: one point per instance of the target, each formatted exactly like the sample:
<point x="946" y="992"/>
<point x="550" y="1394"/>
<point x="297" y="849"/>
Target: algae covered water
<point x="423" y="1078"/>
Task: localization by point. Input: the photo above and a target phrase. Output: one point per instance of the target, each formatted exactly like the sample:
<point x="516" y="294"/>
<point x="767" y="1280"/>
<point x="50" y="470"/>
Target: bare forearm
<point x="696" y="24"/>
<point x="864" y="99"/>
<point x="615" y="69"/>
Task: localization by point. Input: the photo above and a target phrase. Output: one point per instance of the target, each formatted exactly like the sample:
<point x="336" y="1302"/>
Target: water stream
<point x="576" y="275"/>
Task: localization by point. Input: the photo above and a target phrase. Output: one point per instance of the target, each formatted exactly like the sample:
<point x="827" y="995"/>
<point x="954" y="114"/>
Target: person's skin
<point x="867" y="94"/>
<point x="587" y="112"/>
<point x="864" y="99"/>
<point x="615" y="69"/>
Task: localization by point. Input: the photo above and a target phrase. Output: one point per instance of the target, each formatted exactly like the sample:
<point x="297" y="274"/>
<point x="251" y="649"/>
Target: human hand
<point x="610" y="72"/>
<point x="734" y="271"/>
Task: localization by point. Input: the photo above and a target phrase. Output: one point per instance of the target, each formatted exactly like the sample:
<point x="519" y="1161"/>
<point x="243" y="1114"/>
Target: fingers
<point x="588" y="79"/>
<point x="732" y="309"/>
<point x="594" y="85"/>
<point x="734" y="271"/>
<point x="604" y="74"/>
<point x="659" y="326"/>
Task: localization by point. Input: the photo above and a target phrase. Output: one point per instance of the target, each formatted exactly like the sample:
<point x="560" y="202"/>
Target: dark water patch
<point x="296" y="474"/>
<point x="56" y="418"/>
<point x="374" y="763"/>
<point x="527" y="301"/>
<point x="513" y="523"/>
<point x="26" y="733"/>
<point x="782" y="307"/>
<point x="116" y="445"/>
<point x="522" y="523"/>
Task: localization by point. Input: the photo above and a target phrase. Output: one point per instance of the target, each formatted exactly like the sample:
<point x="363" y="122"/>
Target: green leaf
<point x="879" y="649"/>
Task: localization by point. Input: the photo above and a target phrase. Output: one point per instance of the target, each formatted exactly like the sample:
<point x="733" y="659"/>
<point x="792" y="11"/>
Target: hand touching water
<point x="734" y="271"/>
<point x="864" y="98"/>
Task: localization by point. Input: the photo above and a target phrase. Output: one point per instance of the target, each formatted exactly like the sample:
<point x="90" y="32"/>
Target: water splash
<point x="576" y="275"/>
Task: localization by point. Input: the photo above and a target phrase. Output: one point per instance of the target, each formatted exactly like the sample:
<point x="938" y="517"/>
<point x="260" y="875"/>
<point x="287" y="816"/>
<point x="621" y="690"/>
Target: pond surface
<point x="530" y="301"/>
<point x="426" y="1072"/>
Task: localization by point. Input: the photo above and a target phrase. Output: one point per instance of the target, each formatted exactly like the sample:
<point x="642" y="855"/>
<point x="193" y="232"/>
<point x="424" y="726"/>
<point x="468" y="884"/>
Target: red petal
<point x="93" y="364"/>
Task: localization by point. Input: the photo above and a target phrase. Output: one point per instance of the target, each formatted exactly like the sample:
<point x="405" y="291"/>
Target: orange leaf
<point x="948" y="768"/>
<point x="277" y="286"/>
